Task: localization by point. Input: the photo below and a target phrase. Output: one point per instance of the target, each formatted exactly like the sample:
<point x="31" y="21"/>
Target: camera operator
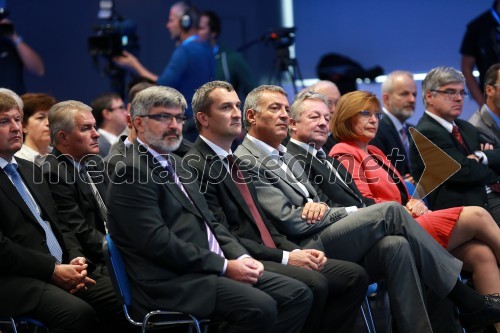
<point x="192" y="64"/>
<point x="15" y="56"/>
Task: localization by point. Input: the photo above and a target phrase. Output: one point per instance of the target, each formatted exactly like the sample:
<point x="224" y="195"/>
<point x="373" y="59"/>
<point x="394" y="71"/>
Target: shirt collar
<point x="109" y="136"/>
<point x="446" y="124"/>
<point x="127" y="142"/>
<point x="307" y="147"/>
<point x="267" y="149"/>
<point x="495" y="118"/>
<point x="393" y="118"/>
<point x="218" y="150"/>
<point x="3" y="162"/>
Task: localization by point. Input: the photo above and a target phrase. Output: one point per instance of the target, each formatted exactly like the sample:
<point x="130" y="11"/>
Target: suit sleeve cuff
<point x="284" y="260"/>
<point x="351" y="209"/>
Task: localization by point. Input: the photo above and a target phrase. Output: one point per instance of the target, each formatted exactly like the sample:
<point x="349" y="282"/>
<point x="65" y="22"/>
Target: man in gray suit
<point x="383" y="238"/>
<point x="487" y="118"/>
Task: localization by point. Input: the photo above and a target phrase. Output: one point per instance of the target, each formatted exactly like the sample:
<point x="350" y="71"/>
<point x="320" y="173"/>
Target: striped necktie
<point x="52" y="243"/>
<point x="212" y="241"/>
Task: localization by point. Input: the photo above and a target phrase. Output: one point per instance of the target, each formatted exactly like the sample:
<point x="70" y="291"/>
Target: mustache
<point x="171" y="132"/>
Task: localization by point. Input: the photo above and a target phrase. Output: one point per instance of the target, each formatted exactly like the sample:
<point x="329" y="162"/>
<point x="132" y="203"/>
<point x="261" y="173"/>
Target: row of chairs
<point x="157" y="318"/>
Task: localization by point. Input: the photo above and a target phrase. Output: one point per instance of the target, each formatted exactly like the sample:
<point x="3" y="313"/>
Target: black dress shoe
<point x="489" y="314"/>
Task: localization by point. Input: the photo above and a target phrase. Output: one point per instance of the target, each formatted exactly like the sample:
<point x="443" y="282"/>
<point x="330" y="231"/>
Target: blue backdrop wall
<point x="412" y="35"/>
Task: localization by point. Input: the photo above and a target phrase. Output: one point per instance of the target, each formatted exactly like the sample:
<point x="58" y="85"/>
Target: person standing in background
<point x="16" y="55"/>
<point x="481" y="48"/>
<point x="192" y="64"/>
<point x="230" y="66"/>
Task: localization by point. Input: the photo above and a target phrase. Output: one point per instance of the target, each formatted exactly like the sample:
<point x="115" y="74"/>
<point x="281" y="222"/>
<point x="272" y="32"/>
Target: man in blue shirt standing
<point x="191" y="65"/>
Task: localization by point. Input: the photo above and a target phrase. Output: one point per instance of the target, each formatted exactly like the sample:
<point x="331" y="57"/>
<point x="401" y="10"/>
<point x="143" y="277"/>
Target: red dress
<point x="370" y="173"/>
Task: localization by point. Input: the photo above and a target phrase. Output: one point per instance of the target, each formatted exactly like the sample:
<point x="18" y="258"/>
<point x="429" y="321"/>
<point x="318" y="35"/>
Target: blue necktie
<point x="212" y="241"/>
<point x="52" y="243"/>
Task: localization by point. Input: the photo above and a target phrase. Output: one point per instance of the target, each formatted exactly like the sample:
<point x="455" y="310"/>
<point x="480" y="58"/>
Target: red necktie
<point x="242" y="186"/>
<point x="456" y="134"/>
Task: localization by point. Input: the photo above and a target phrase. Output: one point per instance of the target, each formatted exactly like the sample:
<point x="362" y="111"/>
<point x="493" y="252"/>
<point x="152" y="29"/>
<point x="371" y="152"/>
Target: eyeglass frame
<point x="368" y="114"/>
<point x="165" y="117"/>
<point x="449" y="95"/>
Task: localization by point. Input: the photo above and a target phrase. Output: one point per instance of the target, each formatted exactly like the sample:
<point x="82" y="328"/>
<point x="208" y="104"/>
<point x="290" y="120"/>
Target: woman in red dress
<point x="469" y="233"/>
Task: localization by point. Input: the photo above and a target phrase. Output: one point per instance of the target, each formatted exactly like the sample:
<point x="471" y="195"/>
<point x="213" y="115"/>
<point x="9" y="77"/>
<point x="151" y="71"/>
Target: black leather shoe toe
<point x="489" y="314"/>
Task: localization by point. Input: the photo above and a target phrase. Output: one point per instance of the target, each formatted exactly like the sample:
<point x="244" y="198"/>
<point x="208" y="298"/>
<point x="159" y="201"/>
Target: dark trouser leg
<point x="63" y="312"/>
<point x="273" y="299"/>
<point x="442" y="312"/>
<point x="338" y="291"/>
<point x="353" y="236"/>
<point x="391" y="258"/>
<point x="102" y="298"/>
<point x="347" y="283"/>
<point x="494" y="206"/>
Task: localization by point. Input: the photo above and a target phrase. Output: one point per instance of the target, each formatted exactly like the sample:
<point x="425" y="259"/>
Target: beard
<point x="160" y="144"/>
<point x="404" y="112"/>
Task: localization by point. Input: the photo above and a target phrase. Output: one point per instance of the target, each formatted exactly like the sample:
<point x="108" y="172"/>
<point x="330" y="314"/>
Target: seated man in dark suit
<point x="329" y="177"/>
<point x="77" y="178"/>
<point x="338" y="287"/>
<point x="110" y="114"/>
<point x="118" y="150"/>
<point x="330" y="90"/>
<point x="477" y="181"/>
<point x="487" y="118"/>
<point x="39" y="276"/>
<point x="383" y="238"/>
<point x="399" y="94"/>
<point x="178" y="256"/>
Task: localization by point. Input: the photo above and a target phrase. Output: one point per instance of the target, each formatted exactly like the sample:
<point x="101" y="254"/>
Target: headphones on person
<point x="189" y="19"/>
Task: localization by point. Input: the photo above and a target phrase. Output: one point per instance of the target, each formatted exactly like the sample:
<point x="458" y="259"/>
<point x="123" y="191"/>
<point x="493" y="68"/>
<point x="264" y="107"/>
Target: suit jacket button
<point x="315" y="237"/>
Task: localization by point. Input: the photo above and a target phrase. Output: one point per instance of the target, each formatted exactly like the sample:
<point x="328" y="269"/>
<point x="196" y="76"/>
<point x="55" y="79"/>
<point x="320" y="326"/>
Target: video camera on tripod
<point x="110" y="39"/>
<point x="281" y="37"/>
<point x="284" y="65"/>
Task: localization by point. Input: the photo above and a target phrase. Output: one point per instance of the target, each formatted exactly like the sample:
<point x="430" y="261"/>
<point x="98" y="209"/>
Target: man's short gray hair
<point x="157" y="96"/>
<point x="438" y="77"/>
<point x="62" y="117"/>
<point x="253" y="98"/>
<point x="296" y="108"/>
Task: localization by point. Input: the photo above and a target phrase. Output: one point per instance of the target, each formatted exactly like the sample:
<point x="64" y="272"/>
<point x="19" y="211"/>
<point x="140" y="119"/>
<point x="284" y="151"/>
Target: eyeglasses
<point x="119" y="107"/>
<point x="495" y="85"/>
<point x="369" y="114"/>
<point x="452" y="93"/>
<point x="166" y="118"/>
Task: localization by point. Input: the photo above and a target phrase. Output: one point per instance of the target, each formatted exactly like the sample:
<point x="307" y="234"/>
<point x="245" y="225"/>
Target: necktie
<point x="212" y="241"/>
<point x="456" y="134"/>
<point x="404" y="139"/>
<point x="52" y="243"/>
<point x="102" y="206"/>
<point x="321" y="155"/>
<point x="242" y="186"/>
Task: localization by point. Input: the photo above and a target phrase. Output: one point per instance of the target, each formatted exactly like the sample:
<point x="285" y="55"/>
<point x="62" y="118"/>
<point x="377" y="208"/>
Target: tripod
<point x="284" y="65"/>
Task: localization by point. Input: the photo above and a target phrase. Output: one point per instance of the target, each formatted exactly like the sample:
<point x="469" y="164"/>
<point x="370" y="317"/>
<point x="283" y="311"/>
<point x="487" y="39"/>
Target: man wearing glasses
<point x="477" y="181"/>
<point x="178" y="256"/>
<point x="110" y="115"/>
<point x="487" y="118"/>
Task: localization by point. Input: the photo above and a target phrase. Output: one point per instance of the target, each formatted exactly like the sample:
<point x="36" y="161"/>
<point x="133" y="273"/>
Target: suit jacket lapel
<point x="319" y="167"/>
<point x="215" y="165"/>
<point x="272" y="165"/>
<point x="12" y="193"/>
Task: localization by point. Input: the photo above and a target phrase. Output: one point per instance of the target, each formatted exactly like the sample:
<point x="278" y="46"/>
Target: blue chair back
<point x="117" y="268"/>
